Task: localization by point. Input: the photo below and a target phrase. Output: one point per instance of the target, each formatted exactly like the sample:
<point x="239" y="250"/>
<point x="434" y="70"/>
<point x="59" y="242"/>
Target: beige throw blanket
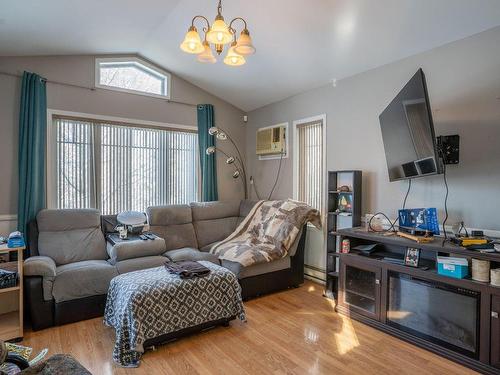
<point x="267" y="233"/>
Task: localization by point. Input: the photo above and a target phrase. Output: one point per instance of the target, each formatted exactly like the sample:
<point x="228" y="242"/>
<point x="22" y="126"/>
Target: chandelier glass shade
<point x="233" y="58"/>
<point x="206" y="56"/>
<point x="192" y="42"/>
<point x="217" y="36"/>
<point x="244" y="45"/>
<point x="219" y="32"/>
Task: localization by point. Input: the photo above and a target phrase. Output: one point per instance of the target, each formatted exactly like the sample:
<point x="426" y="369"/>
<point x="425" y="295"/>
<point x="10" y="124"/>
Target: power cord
<point x="277" y="176"/>
<point x="252" y="182"/>
<point x="392" y="227"/>
<point x="446" y="196"/>
<point x="407" y="193"/>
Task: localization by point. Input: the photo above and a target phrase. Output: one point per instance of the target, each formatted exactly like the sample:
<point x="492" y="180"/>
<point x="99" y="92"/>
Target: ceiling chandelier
<point x="219" y="34"/>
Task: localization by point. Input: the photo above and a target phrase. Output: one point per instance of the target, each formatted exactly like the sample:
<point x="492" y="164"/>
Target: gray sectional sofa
<point x="69" y="268"/>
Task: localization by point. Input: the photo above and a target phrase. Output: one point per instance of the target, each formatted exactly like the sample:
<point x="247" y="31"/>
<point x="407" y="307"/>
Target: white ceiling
<point x="300" y="44"/>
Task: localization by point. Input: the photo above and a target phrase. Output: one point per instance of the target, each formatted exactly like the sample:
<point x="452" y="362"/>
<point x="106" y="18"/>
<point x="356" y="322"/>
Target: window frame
<point x="51" y="160"/>
<point x="133" y="59"/>
<point x="295" y="130"/>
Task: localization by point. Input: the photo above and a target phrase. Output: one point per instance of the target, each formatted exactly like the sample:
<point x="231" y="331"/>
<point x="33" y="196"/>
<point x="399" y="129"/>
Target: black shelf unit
<point x="339" y="220"/>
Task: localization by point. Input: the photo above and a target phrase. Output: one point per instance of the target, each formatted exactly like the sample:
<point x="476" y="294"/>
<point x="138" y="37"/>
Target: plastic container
<point x="453" y="267"/>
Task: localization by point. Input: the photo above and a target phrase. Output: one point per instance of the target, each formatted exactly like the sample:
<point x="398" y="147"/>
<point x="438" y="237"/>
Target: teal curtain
<point x="32" y="144"/>
<point x="208" y="163"/>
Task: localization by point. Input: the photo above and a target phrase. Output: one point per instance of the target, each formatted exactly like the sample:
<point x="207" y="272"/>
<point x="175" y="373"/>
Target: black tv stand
<point x="367" y="288"/>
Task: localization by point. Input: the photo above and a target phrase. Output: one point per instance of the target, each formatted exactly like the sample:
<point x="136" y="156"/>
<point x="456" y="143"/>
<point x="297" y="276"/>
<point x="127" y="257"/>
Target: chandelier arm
<point x="236" y="19"/>
<point x="200" y="16"/>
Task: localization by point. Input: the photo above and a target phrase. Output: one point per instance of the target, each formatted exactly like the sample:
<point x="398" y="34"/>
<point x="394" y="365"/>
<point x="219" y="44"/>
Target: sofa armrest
<point x="39" y="266"/>
<point x="40" y="311"/>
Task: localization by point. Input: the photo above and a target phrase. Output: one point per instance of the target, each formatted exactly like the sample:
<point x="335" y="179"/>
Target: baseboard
<point x="314" y="279"/>
<point x="315" y="273"/>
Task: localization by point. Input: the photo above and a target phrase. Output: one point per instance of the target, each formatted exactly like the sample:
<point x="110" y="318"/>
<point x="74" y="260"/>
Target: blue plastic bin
<point x="453" y="267"/>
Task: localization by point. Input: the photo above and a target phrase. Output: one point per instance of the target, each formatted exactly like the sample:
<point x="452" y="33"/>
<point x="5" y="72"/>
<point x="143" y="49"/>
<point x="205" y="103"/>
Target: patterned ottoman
<point x="145" y="305"/>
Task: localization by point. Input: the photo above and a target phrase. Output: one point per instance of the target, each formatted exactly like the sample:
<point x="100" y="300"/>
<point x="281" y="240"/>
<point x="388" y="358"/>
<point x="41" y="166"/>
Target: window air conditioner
<point x="271" y="141"/>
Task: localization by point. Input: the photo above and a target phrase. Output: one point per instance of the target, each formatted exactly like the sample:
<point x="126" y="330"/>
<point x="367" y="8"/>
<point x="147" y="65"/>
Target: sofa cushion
<point x="214" y="221"/>
<point x="52" y="220"/>
<point x="214" y="230"/>
<point x="82" y="279"/>
<point x="257" y="269"/>
<point x="246" y="206"/>
<point x="135" y="249"/>
<point x="189" y="253"/>
<point x="214" y="210"/>
<point x="174" y="214"/>
<point x="174" y="224"/>
<point x="69" y="236"/>
<point x="176" y="236"/>
<point x="135" y="264"/>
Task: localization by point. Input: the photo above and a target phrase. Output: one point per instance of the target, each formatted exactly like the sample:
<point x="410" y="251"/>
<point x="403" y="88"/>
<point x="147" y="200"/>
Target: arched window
<point x="133" y="75"/>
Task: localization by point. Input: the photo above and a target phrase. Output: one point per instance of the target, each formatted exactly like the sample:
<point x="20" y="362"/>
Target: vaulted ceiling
<point x="301" y="44"/>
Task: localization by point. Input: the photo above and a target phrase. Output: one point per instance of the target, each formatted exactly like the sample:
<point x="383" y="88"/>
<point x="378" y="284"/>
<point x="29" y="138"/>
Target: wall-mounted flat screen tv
<point x="408" y="133"/>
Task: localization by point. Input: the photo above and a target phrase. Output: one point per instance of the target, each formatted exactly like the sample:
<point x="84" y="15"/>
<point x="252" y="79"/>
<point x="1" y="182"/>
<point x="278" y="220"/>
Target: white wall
<point x="463" y="80"/>
<point x="79" y="70"/>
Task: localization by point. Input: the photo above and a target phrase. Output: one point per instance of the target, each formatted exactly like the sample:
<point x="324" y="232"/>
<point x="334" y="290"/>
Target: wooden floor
<point x="292" y="332"/>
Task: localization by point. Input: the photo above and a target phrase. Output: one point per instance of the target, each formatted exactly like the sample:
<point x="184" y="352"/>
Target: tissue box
<point x="453" y="267"/>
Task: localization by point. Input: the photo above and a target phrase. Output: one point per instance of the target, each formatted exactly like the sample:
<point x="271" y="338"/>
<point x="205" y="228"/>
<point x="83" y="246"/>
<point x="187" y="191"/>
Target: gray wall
<point x="79" y="70"/>
<point x="463" y="79"/>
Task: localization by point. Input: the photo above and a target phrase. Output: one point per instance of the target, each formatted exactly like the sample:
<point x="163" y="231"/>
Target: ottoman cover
<point x="145" y="304"/>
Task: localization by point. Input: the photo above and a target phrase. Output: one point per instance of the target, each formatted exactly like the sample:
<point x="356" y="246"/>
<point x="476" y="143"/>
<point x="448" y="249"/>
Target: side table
<point x="11" y="299"/>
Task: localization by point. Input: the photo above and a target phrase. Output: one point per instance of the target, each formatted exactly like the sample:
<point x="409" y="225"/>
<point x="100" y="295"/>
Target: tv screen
<point x="408" y="133"/>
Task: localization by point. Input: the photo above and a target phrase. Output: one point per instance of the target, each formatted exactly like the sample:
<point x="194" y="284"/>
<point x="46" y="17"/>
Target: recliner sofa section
<point x="69" y="269"/>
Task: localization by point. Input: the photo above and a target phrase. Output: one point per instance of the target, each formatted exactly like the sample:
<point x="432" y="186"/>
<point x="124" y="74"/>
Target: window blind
<point x="123" y="167"/>
<point x="310" y="164"/>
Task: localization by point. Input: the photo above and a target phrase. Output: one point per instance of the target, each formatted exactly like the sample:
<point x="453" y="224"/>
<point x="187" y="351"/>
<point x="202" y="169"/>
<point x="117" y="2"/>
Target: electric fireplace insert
<point x="443" y="314"/>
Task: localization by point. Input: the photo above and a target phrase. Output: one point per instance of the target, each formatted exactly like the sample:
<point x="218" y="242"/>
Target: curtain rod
<point x="92" y="88"/>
